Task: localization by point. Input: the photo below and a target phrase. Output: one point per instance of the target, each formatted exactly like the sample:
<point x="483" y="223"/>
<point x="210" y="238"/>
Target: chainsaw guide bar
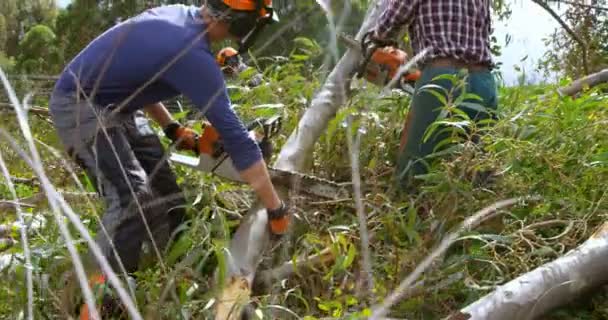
<point x="293" y="181"/>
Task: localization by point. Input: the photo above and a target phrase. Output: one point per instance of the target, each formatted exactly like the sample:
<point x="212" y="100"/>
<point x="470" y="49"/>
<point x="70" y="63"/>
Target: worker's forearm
<point x="259" y="179"/>
<point x="159" y="114"/>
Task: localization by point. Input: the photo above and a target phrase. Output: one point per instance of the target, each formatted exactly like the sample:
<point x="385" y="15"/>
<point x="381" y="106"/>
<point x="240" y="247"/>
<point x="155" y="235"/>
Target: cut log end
<point x="459" y="316"/>
<point x="233" y="299"/>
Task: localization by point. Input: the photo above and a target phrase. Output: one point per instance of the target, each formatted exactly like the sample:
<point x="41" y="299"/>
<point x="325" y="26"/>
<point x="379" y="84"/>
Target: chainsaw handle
<point x="369" y="46"/>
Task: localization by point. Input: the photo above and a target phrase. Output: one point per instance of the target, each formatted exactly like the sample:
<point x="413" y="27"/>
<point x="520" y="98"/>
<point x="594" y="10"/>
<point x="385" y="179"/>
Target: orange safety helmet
<point x="223" y="56"/>
<point x="230" y="61"/>
<point x="263" y="7"/>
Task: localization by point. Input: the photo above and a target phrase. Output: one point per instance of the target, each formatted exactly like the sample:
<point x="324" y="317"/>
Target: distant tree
<point x="3" y="33"/>
<point x="38" y="52"/>
<point x="580" y="46"/>
<point x="19" y="16"/>
<point x="77" y="25"/>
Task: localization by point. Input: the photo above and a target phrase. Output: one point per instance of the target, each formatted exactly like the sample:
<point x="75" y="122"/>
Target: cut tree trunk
<point x="589" y="81"/>
<point x="554" y="284"/>
<point x="252" y="237"/>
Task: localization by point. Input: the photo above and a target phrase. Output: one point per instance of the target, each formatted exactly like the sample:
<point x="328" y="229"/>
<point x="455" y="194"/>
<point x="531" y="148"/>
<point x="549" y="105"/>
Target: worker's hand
<point x="369" y="44"/>
<point x="278" y="219"/>
<point x="183" y="138"/>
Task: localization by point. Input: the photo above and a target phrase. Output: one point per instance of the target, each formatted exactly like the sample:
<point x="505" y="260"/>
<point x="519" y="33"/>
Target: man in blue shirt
<point x="98" y="108"/>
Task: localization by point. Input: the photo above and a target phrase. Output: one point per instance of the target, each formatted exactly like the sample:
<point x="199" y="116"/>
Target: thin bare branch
<point x="38" y="198"/>
<point x="470" y="223"/>
<point x="582" y="43"/>
<point x="354" y="146"/>
<point x="24" y="240"/>
<point x="578" y="4"/>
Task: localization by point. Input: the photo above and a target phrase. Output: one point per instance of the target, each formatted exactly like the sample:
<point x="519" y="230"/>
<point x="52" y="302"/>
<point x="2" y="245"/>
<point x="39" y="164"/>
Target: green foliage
<point x="556" y="148"/>
<point x="37" y="51"/>
<point x="7" y="64"/>
<point x="18" y="16"/>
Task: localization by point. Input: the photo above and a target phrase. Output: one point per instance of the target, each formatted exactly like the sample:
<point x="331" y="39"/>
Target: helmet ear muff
<point x="242" y="23"/>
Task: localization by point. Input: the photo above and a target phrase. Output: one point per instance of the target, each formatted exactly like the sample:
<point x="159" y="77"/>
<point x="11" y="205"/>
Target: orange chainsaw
<point x="382" y="64"/>
<point x="213" y="158"/>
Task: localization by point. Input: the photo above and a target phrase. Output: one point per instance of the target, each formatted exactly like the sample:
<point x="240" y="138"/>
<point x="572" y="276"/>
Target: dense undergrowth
<point x="542" y="145"/>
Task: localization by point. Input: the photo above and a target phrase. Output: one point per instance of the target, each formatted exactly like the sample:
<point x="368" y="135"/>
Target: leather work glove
<point x="279" y="219"/>
<point x="183" y="138"/>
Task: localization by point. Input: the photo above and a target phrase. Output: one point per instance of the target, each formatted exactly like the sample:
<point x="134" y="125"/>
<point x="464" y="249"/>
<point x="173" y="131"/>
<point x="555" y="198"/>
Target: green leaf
<point x="305" y="42"/>
<point x="350" y="256"/>
<point x="473" y="106"/>
<point x="179" y="115"/>
<point x="180" y="247"/>
<point x="299" y="57"/>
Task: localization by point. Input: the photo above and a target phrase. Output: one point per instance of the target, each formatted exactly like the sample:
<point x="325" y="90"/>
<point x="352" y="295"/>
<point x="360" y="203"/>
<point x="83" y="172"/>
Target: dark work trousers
<point x="425" y="109"/>
<point x="125" y="160"/>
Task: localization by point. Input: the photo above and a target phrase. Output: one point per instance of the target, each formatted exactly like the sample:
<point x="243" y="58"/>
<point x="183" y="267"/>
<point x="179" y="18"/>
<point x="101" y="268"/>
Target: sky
<point x="63" y="3"/>
<point x="528" y="25"/>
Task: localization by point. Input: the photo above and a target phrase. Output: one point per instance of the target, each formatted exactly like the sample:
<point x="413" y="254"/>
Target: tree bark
<point x="589" y="81"/>
<point x="554" y="284"/>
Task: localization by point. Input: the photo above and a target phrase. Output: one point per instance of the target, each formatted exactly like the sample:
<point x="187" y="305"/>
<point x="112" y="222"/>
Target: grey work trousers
<point x="125" y="160"/>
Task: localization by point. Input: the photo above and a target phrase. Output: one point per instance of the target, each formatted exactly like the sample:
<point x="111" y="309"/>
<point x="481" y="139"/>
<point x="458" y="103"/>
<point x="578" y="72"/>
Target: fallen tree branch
<point x="589" y="81"/>
<point x="32" y="182"/>
<point x="535" y="293"/>
<point x="380" y="311"/>
<point x="32" y="109"/>
<point x="38" y="198"/>
<point x="290" y="268"/>
<point x="573" y="89"/>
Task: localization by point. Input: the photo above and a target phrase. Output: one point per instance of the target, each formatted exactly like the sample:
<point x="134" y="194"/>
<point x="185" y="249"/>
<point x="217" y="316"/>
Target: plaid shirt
<point x="457" y="29"/>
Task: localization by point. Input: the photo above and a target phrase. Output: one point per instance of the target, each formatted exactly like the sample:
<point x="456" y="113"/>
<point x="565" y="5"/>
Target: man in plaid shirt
<point x="456" y="33"/>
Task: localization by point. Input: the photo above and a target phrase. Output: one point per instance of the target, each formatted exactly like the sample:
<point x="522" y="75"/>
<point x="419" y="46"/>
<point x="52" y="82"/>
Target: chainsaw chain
<point x="309" y="184"/>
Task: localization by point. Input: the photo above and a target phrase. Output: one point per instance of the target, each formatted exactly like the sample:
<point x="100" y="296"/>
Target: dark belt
<point x="459" y="64"/>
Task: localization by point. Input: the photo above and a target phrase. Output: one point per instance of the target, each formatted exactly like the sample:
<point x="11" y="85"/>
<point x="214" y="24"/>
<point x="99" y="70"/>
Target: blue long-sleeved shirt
<point x="157" y="55"/>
